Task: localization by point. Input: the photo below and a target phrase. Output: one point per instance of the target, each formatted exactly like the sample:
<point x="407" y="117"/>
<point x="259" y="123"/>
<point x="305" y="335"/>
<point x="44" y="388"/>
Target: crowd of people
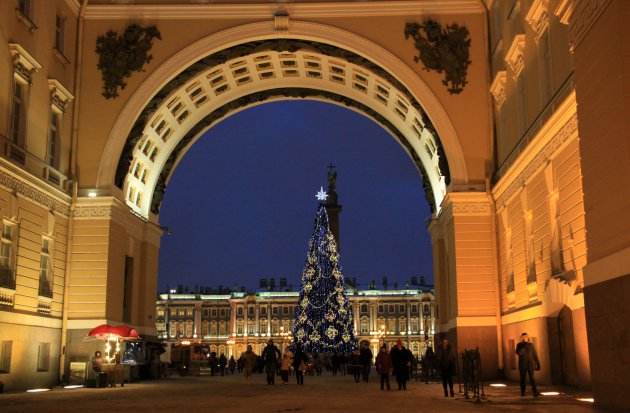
<point x="397" y="362"/>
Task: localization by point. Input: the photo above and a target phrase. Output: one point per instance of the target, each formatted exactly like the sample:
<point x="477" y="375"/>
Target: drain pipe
<point x="74" y="189"/>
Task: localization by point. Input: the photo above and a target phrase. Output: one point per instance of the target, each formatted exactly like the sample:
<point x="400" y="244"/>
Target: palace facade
<point x="227" y="323"/>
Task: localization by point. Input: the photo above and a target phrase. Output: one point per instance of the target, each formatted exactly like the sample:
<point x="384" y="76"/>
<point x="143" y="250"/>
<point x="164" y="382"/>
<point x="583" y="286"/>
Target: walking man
<point x="445" y="359"/>
<point x="527" y="362"/>
<point x="401" y="361"/>
<point x="271" y="355"/>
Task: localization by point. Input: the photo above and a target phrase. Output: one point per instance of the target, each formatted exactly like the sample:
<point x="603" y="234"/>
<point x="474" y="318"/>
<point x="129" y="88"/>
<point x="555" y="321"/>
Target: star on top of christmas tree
<point x="321" y="195"/>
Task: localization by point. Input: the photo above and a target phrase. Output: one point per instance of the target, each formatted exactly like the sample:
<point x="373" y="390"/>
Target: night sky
<point x="241" y="204"/>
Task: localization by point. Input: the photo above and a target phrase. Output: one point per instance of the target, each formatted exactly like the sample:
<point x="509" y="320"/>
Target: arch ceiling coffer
<point x="249" y="73"/>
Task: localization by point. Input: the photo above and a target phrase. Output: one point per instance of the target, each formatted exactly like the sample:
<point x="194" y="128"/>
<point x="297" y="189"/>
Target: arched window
<point x="365" y="325"/>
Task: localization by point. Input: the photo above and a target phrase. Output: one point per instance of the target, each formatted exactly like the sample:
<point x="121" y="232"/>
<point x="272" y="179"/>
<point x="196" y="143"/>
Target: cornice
<point x="514" y="56"/>
<point x="295" y="10"/>
<point x="59" y="95"/>
<point x="585" y="14"/>
<point x="563" y="10"/>
<point x="74" y="5"/>
<point x="468" y="203"/>
<point x="29" y="187"/>
<point x="559" y="130"/>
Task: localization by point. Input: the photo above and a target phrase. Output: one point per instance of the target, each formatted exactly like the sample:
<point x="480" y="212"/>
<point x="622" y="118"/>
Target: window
<point x="414" y="325"/>
<point x="6" y="347"/>
<point x="172" y="329"/>
<point x="250" y="311"/>
<point x="239" y="328"/>
<point x="190" y="311"/>
<point x="263" y="311"/>
<point x="213" y="329"/>
<point x="222" y="328"/>
<point x="262" y="326"/>
<point x="239" y="311"/>
<point x="401" y="308"/>
<point x="285" y="310"/>
<point x="222" y="312"/>
<point x="189" y="328"/>
<point x="60" y="34"/>
<point x="45" y="270"/>
<point x="275" y="327"/>
<point x="380" y="309"/>
<point x="391" y="308"/>
<point x="364" y="308"/>
<point x="205" y="312"/>
<point x="391" y="325"/>
<point x="7" y="255"/>
<point x="414" y="308"/>
<point x="43" y="357"/>
<point x="214" y="312"/>
<point x="250" y="328"/>
<point x="18" y="112"/>
<point x="204" y="328"/>
<point x="365" y="328"/>
<point x="53" y="139"/>
<point x="181" y="311"/>
<point x="274" y="310"/>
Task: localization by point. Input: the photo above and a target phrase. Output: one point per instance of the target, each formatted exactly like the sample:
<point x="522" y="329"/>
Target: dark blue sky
<point x="241" y="204"/>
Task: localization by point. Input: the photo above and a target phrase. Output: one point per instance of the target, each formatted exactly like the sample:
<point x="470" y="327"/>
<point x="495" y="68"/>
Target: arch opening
<point x="250" y="73"/>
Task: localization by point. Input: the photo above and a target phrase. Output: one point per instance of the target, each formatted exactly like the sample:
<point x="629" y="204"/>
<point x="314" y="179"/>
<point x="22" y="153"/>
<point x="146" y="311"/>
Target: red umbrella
<point x="106" y="331"/>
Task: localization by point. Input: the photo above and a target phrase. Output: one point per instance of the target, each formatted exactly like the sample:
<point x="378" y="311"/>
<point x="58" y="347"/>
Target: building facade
<point x="227" y="323"/>
<point x="525" y="166"/>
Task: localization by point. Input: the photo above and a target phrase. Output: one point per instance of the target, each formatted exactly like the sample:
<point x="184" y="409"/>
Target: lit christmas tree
<point x="323" y="319"/>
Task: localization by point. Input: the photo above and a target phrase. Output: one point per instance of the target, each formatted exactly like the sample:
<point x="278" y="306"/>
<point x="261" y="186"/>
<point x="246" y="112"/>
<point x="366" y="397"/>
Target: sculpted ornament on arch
<point x="442" y="50"/>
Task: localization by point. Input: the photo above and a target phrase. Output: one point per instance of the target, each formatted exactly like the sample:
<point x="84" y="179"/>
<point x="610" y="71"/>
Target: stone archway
<point x="403" y="100"/>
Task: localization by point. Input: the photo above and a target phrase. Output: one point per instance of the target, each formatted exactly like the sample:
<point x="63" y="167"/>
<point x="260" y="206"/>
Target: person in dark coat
<point x="213" y="363"/>
<point x="366" y="361"/>
<point x="401" y="361"/>
<point x="427" y="364"/>
<point x="445" y="360"/>
<point x="299" y="364"/>
<point x="384" y="366"/>
<point x="232" y="364"/>
<point x="222" y="363"/>
<point x="271" y="354"/>
<point x="527" y="362"/>
<point x="354" y="364"/>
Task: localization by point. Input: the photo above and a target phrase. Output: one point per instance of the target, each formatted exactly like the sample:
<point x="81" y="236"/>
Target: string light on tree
<point x="323" y="319"/>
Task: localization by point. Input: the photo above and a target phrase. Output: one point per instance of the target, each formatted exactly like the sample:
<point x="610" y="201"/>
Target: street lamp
<point x="380" y="334"/>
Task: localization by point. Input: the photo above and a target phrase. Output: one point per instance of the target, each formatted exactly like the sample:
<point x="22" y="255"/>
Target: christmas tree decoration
<point x="323" y="318"/>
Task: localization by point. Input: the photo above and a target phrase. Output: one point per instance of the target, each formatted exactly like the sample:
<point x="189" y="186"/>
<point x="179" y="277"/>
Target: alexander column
<point x="332" y="207"/>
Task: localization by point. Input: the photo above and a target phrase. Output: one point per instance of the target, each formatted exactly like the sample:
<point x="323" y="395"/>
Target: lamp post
<point x="380" y="334"/>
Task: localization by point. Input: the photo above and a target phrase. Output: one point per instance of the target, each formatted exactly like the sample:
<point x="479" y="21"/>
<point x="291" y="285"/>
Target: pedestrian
<point x="285" y="365"/>
<point x="445" y="360"/>
<point x="222" y="363"/>
<point x="384" y="366"/>
<point x="427" y="364"/>
<point x="271" y="355"/>
<point x="527" y="362"/>
<point x="232" y="364"/>
<point x="343" y="363"/>
<point x="299" y="364"/>
<point x="354" y="364"/>
<point x="213" y="362"/>
<point x="401" y="362"/>
<point x="249" y="363"/>
<point x="366" y="361"/>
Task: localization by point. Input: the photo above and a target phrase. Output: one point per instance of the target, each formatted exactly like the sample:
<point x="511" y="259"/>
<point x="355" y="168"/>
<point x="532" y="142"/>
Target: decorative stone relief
<point x="514" y="56"/>
<point x="537" y="17"/>
<point x="281" y="22"/>
<point x="542" y="158"/>
<point x="59" y="95"/>
<point x="119" y="55"/>
<point x="585" y="14"/>
<point x="24" y="64"/>
<point x="32" y="193"/>
<point x="498" y="88"/>
<point x="442" y="50"/>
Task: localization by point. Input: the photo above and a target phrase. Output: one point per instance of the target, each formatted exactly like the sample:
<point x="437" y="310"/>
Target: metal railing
<point x="21" y="157"/>
<point x="469" y="367"/>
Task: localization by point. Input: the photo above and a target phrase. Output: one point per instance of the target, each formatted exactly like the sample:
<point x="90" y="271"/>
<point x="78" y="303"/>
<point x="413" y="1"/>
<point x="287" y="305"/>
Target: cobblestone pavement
<point x="319" y="394"/>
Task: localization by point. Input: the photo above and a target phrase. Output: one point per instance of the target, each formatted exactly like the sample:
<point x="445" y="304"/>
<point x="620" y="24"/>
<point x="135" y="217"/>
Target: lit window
<point x="53" y="139"/>
<point x="7" y="255"/>
<point x="60" y="34"/>
<point x="45" y="270"/>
